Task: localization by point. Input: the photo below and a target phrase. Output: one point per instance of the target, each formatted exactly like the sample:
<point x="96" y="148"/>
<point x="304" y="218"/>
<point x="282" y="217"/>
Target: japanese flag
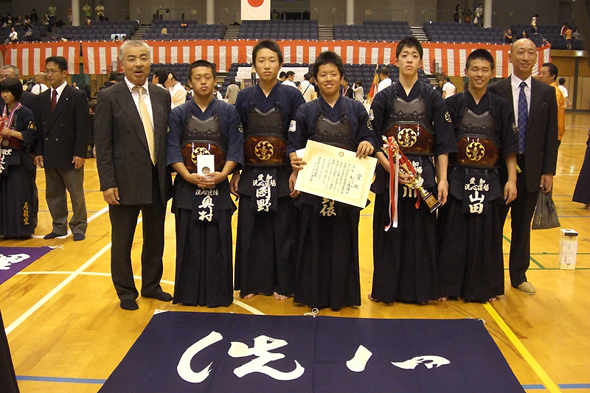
<point x="256" y="9"/>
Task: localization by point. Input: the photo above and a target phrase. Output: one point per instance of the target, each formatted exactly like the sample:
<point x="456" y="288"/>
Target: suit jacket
<point x="541" y="135"/>
<point x="63" y="132"/>
<point x="122" y="154"/>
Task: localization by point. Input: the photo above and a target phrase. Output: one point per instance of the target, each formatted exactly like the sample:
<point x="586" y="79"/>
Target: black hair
<point x="481" y="54"/>
<point x="447" y="79"/>
<point x="113" y="75"/>
<point x="173" y="75"/>
<point x="60" y="61"/>
<point x="553" y="71"/>
<point x="328" y="57"/>
<point x="289" y="73"/>
<point x="200" y="63"/>
<point x="282" y="74"/>
<point x="267" y="44"/>
<point x="162" y="74"/>
<point x="384" y="71"/>
<point x="12" y="85"/>
<point x="561" y="81"/>
<point x="359" y="83"/>
<point x="307" y="76"/>
<point x="410" y="42"/>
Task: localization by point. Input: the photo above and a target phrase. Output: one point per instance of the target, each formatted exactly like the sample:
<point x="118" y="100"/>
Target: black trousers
<point x="123" y="223"/>
<point x="7" y="378"/>
<point x="521" y="210"/>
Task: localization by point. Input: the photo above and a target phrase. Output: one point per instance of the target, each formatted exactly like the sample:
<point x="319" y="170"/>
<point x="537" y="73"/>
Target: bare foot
<point x="493" y="299"/>
<point x="443" y="298"/>
<point x="279" y="297"/>
<point x="249" y="296"/>
<point x="371" y="298"/>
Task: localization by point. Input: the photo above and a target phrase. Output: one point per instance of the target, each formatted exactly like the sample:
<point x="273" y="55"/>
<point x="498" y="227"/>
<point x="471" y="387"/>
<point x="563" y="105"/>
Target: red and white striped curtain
<point x="102" y="56"/>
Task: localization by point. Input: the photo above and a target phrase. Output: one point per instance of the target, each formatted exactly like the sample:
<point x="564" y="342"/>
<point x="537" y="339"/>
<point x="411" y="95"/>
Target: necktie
<point x="147" y="122"/>
<point x="53" y="99"/>
<point x="523" y="117"/>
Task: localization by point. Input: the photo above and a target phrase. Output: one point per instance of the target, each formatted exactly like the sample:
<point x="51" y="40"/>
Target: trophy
<point x="407" y="169"/>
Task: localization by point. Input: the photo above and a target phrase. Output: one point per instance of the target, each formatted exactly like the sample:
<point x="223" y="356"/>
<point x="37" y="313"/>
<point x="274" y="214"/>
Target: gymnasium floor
<point x="67" y="332"/>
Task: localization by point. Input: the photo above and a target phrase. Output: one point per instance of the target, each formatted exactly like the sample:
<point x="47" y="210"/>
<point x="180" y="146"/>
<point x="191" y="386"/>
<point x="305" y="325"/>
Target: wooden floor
<point x="67" y="332"/>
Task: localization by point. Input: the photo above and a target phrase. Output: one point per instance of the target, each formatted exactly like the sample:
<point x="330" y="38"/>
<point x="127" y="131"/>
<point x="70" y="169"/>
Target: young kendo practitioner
<point x="202" y="202"/>
<point x="471" y="264"/>
<point x="328" y="257"/>
<point x="415" y="115"/>
<point x="267" y="215"/>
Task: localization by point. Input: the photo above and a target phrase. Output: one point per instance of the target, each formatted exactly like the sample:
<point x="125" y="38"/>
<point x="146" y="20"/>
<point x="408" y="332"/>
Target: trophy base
<point x="431" y="201"/>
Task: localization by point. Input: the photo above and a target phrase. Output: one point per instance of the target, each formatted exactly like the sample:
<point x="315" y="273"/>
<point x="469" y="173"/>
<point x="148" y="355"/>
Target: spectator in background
<point x="345" y="90"/>
<point x="563" y="29"/>
<point x="448" y="88"/>
<point x="568" y="37"/>
<point x="457" y="14"/>
<point x="282" y="76"/>
<point x="384" y="79"/>
<point x="467" y="14"/>
<point x="307" y="88"/>
<point x="100" y="11"/>
<point x="41" y="83"/>
<point x="566" y="96"/>
<point x="576" y="34"/>
<point x="478" y="20"/>
<point x="359" y="93"/>
<point x="87" y="10"/>
<point x="159" y="77"/>
<point x="34" y="16"/>
<point x="88" y="21"/>
<point x="534" y="23"/>
<point x="216" y="94"/>
<point x="27" y="99"/>
<point x="525" y="34"/>
<point x="508" y="36"/>
<point x="231" y="93"/>
<point x="51" y="12"/>
<point x="289" y="79"/>
<point x="176" y="90"/>
<point x="13" y="36"/>
<point x="112" y="79"/>
<point x="75" y="85"/>
<point x="548" y="75"/>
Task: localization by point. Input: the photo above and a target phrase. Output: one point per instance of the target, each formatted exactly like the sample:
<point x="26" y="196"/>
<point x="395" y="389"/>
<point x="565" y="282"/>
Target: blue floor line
<point x="102" y="381"/>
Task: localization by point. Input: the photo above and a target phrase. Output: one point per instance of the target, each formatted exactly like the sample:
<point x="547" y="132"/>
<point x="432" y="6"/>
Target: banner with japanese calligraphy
<point x="214" y="352"/>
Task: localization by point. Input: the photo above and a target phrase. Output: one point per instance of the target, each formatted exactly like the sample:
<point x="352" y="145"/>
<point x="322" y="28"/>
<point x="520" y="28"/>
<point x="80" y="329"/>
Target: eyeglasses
<point x="52" y="72"/>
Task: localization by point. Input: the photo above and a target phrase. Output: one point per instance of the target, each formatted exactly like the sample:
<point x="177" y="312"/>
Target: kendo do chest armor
<point x="266" y="138"/>
<point x="202" y="137"/>
<point x="411" y="127"/>
<point x="477" y="142"/>
<point x="338" y="134"/>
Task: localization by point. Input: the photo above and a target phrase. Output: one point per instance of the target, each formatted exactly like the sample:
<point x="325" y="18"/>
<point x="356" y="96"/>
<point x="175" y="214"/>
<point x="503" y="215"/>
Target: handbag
<point x="545" y="216"/>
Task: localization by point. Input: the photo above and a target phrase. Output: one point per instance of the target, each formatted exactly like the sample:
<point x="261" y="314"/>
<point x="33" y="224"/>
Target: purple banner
<point x="15" y="259"/>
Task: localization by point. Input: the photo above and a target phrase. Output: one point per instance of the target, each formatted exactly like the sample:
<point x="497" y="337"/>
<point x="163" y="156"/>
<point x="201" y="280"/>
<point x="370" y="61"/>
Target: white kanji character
<point x="184" y="365"/>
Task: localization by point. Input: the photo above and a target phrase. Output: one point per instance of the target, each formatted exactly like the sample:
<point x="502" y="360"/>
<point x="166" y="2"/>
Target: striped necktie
<point x="147" y="122"/>
<point x="523" y="117"/>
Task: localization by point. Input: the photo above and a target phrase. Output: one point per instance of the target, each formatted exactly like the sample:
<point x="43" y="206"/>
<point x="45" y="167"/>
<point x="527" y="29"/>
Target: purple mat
<point x="15" y="259"/>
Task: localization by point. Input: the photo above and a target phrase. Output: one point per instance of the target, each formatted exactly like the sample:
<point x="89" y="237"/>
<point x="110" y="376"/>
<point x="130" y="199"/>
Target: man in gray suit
<point x="535" y="111"/>
<point x="64" y="130"/>
<point x="130" y="138"/>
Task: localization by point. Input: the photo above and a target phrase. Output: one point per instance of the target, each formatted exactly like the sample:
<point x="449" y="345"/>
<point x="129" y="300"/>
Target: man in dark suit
<point x="535" y="111"/>
<point x="345" y="89"/>
<point x="130" y="139"/>
<point x="64" y="129"/>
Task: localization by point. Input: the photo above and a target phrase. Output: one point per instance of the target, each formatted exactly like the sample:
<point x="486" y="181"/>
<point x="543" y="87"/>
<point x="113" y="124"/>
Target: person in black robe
<point x="470" y="261"/>
<point x="415" y="115"/>
<point x="268" y="218"/>
<point x="582" y="191"/>
<point x="327" y="272"/>
<point x="202" y="202"/>
<point x="19" y="203"/>
<point x="7" y="376"/>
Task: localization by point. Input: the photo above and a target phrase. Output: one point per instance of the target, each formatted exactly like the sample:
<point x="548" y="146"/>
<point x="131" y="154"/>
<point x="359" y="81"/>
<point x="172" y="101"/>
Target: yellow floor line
<point x="549" y="384"/>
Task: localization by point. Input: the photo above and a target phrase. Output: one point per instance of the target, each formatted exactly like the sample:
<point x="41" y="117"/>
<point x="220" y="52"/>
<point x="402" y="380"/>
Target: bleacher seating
<point x="192" y="31"/>
<point x="462" y="32"/>
<point x="373" y="31"/>
<point x="279" y="30"/>
<point x="38" y="32"/>
<point x="99" y="31"/>
<point x="549" y="33"/>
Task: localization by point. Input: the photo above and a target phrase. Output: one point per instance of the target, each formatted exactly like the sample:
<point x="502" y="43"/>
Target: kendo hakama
<point x="203" y="216"/>
<point x="582" y="191"/>
<point x="268" y="218"/>
<point x="328" y="248"/>
<point x="404" y="258"/>
<point x="19" y="203"/>
<point x="471" y="262"/>
<point x="8" y="382"/>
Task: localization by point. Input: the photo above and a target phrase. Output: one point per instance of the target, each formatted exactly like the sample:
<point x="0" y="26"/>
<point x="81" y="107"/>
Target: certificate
<point x="336" y="174"/>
